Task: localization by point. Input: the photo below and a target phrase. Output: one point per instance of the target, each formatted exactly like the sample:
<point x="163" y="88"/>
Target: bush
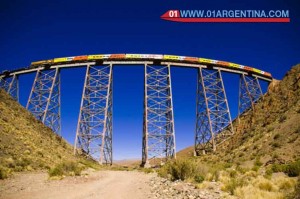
<point x="266" y="186"/>
<point x="66" y="169"/>
<point x="182" y="169"/>
<point x="270" y="128"/>
<point x="276" y="144"/>
<point x="258" y="162"/>
<point x="297" y="189"/>
<point x="282" y="118"/>
<point x="231" y="186"/>
<point x="292" y="169"/>
<point x="198" y="178"/>
<point x="255" y="168"/>
<point x="3" y="173"/>
<point x="276" y="136"/>
<point x="147" y="170"/>
<point x="297" y="130"/>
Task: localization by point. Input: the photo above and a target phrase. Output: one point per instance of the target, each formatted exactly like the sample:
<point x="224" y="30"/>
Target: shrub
<point x="232" y="173"/>
<point x="297" y="189"/>
<point x="292" y="169"/>
<point x="198" y="178"/>
<point x="164" y="171"/>
<point x="276" y="136"/>
<point x="3" y="173"/>
<point x="269" y="172"/>
<point x="282" y="118"/>
<point x="56" y="171"/>
<point x="265" y="185"/>
<point x="23" y="162"/>
<point x="148" y="170"/>
<point x="270" y="128"/>
<point x="66" y="168"/>
<point x="297" y="130"/>
<point x="241" y="169"/>
<point x="255" y="168"/>
<point x="258" y="162"/>
<point x="241" y="154"/>
<point x="182" y="169"/>
<point x="285" y="185"/>
<point x="231" y="185"/>
<point x="90" y="163"/>
<point x="275" y="144"/>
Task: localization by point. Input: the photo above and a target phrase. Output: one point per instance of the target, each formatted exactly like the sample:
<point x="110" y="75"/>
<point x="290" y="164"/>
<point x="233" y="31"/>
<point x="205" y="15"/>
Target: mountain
<point x="270" y="132"/>
<point x="25" y="143"/>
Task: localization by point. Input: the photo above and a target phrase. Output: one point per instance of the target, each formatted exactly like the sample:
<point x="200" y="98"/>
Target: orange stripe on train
<point x="83" y="57"/>
<point x="117" y="56"/>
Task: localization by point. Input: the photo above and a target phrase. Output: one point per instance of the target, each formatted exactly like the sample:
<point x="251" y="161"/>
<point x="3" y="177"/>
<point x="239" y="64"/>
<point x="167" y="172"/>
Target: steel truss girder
<point x="158" y="124"/>
<point x="94" y="129"/>
<point x="44" y="99"/>
<point x="11" y="86"/>
<point x="213" y="120"/>
<point x="249" y="92"/>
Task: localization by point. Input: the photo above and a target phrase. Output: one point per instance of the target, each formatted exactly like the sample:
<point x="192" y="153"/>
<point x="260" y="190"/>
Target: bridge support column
<point x="11" y="86"/>
<point x="249" y="92"/>
<point x="158" y="127"/>
<point x="94" y="129"/>
<point x="44" y="99"/>
<point x="213" y="120"/>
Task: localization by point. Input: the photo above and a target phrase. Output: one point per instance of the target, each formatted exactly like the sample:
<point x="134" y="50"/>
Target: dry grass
<point x="252" y="185"/>
<point x="26" y="144"/>
<point x="266" y="141"/>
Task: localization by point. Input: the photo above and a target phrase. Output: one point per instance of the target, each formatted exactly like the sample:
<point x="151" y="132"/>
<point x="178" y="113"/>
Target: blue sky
<point x="37" y="30"/>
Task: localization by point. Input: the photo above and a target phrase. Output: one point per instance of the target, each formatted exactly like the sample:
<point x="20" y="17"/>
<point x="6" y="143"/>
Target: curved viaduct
<point x="94" y="129"/>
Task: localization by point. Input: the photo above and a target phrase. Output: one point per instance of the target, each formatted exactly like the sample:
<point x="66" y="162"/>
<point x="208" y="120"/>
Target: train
<point x="145" y="57"/>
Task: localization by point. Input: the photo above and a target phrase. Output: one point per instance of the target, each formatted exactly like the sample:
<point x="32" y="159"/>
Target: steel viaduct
<point x="94" y="128"/>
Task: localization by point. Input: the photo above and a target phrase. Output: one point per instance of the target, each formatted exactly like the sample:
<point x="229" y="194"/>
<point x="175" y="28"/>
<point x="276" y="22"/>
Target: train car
<point x="248" y="68"/>
<point x="117" y="56"/>
<point x="80" y="58"/>
<point x="241" y="67"/>
<point x="256" y="71"/>
<point x="191" y="59"/>
<point x="207" y="61"/>
<point x="41" y="63"/>
<point x="150" y="56"/>
<point x="100" y="57"/>
<point x="233" y="65"/>
<point x="268" y="74"/>
<point x="157" y="57"/>
<point x="223" y="63"/>
<point x="134" y="56"/>
<point x="62" y="59"/>
<point x="173" y="57"/>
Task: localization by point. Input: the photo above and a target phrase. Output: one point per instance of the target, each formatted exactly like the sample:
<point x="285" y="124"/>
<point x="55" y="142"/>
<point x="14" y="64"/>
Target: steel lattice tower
<point x="94" y="130"/>
<point x="213" y="123"/>
<point x="250" y="91"/>
<point x="11" y="86"/>
<point x="158" y="127"/>
<point x="44" y="99"/>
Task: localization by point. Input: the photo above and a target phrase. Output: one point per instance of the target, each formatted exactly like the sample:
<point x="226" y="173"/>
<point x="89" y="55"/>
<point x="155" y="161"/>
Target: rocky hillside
<point x="262" y="159"/>
<point x="25" y="143"/>
<point x="270" y="133"/>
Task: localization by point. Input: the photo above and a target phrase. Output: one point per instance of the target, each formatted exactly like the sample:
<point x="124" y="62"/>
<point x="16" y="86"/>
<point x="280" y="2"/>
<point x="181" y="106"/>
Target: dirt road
<point x="101" y="184"/>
